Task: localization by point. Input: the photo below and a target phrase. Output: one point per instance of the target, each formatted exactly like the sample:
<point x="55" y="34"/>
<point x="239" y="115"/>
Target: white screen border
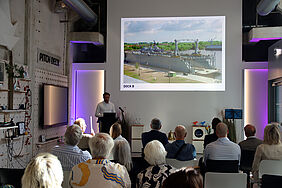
<point x="172" y="86"/>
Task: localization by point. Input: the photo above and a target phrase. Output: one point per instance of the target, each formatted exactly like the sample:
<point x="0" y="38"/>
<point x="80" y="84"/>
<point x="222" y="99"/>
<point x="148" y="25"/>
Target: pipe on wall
<point x="82" y="9"/>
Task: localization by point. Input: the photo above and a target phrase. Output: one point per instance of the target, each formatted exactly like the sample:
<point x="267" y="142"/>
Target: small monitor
<point x="238" y="114"/>
<point x="233" y="114"/>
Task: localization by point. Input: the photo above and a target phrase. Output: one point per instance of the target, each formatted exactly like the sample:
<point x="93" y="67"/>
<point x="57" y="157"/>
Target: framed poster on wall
<point x="173" y="54"/>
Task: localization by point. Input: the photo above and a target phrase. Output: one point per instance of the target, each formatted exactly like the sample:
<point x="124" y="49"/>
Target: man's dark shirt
<point x="251" y="143"/>
<point x="210" y="138"/>
<point x="188" y="152"/>
<point x="154" y="135"/>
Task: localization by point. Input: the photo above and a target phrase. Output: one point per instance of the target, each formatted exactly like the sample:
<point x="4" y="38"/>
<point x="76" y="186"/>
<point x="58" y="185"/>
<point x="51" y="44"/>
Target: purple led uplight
<point x="86" y="42"/>
<point x="259" y="39"/>
<point x="256" y="99"/>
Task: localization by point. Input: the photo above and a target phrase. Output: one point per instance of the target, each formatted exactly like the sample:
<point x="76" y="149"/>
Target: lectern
<point x="106" y="122"/>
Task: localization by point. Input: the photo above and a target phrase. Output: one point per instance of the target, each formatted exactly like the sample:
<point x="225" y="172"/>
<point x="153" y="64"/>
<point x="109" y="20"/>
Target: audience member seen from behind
<point x="69" y="154"/>
<point x="184" y="178"/>
<point x="179" y="149"/>
<point x="121" y="151"/>
<point x="222" y="148"/>
<point x="99" y="172"/>
<point x="158" y="171"/>
<point x="116" y="131"/>
<point x="212" y="137"/>
<point x="154" y="134"/>
<point x="44" y="170"/>
<point x="122" y="154"/>
<point x="251" y="143"/>
<point x="271" y="149"/>
<point x="83" y="143"/>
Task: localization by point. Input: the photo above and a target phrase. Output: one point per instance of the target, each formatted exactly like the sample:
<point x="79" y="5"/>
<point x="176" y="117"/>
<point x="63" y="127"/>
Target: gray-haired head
<point x="122" y="153"/>
<point x="81" y="123"/>
<point x="156" y="124"/>
<point x="101" y="145"/>
<point x="44" y="170"/>
<point x="155" y="153"/>
<point x="73" y="135"/>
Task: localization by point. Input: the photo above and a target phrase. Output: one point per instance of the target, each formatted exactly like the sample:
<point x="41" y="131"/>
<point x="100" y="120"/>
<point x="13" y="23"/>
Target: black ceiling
<point x="250" y="51"/>
<point x="257" y="51"/>
<point x="90" y="53"/>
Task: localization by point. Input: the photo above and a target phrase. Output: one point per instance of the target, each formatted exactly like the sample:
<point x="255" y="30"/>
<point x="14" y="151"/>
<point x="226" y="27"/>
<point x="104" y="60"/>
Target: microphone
<point x="121" y="109"/>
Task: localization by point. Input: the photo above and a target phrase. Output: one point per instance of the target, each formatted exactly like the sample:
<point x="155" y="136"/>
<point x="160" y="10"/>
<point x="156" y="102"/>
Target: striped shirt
<point x="69" y="156"/>
<point x="222" y="149"/>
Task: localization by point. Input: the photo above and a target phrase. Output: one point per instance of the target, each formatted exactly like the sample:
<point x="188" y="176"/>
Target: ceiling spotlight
<point x="277" y="51"/>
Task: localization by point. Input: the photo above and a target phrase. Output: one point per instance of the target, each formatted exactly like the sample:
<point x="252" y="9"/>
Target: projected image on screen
<point x="173" y="53"/>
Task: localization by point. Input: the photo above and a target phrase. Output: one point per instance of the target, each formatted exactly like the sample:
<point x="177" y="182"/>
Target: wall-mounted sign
<point x="48" y="58"/>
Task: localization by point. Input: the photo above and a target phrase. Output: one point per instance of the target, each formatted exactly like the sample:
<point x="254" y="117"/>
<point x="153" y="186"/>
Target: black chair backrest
<point x="247" y="158"/>
<point x="11" y="176"/>
<point x="225" y="166"/>
<point x="271" y="181"/>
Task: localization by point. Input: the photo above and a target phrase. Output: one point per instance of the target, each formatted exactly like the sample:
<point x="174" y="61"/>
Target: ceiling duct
<point x="87" y="37"/>
<point x="266" y="6"/>
<point x="265" y="33"/>
<point x="82" y="9"/>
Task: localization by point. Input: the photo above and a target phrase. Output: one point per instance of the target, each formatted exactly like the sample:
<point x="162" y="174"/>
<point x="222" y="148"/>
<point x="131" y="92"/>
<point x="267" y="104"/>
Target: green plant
<point x="14" y="71"/>
<point x="21" y="71"/>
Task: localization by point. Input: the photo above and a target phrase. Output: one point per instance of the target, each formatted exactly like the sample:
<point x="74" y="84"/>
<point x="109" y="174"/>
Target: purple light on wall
<point x="256" y="99"/>
<point x="87" y="90"/>
<point x="258" y="39"/>
<point x="86" y="42"/>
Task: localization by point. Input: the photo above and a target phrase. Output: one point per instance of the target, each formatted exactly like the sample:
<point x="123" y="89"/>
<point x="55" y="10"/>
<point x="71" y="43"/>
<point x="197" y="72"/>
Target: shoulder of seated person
<point x="87" y="135"/>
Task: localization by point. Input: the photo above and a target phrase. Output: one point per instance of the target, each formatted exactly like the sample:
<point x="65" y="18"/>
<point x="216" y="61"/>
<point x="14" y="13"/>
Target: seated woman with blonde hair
<point x="44" y="170"/>
<point x="83" y="143"/>
<point x="270" y="149"/>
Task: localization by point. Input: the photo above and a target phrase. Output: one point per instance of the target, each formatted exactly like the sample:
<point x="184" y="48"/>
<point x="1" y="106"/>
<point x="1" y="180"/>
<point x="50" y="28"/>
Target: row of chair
<point x="270" y="172"/>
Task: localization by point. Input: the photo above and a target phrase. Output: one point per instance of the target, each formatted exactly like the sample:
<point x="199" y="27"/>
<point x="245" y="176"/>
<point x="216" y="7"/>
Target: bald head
<point x="250" y="130"/>
<point x="221" y="130"/>
<point x="180" y="132"/>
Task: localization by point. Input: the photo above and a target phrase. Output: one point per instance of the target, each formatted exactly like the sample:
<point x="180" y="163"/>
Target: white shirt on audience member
<point x="222" y="149"/>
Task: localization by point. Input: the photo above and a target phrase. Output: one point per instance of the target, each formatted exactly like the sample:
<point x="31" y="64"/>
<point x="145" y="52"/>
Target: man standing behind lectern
<point x="104" y="107"/>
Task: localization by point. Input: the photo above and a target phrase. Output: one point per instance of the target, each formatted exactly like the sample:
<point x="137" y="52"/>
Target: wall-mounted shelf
<point x="19" y="91"/>
<point x="12" y="111"/>
<point x="15" y="91"/>
<point x="14" y="138"/>
<point x="48" y="142"/>
<point x="5" y="128"/>
<point x="25" y="79"/>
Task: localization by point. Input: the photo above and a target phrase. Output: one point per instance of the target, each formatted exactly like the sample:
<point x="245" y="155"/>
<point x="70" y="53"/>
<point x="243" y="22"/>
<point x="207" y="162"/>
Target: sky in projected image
<point x="173" y="53"/>
<point x="168" y="30"/>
